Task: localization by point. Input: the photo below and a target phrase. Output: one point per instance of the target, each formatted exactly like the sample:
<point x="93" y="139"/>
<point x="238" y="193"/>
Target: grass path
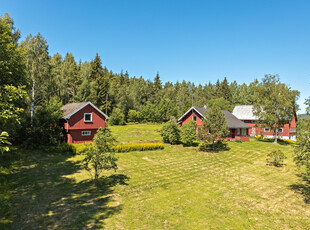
<point x="174" y="188"/>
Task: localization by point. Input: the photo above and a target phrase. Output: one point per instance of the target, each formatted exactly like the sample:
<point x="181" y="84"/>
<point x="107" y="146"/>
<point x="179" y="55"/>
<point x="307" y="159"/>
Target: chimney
<point x="205" y="106"/>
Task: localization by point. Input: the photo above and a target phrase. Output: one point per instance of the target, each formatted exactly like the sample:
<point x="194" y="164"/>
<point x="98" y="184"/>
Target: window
<point x="280" y="130"/>
<point x="238" y="132"/>
<point x="194" y="118"/>
<point x="266" y="130"/>
<point x="243" y="132"/>
<point x="86" y="133"/>
<point x="88" y="117"/>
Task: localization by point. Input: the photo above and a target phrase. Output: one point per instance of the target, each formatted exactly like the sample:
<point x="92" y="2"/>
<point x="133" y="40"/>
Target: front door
<point x="233" y="133"/>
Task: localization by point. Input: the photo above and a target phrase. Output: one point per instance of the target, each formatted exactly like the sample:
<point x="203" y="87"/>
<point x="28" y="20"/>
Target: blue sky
<point x="197" y="41"/>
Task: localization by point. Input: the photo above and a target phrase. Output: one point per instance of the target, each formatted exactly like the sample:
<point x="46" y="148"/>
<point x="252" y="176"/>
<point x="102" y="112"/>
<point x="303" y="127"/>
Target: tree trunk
<point x="275" y="133"/>
<point x="32" y="102"/>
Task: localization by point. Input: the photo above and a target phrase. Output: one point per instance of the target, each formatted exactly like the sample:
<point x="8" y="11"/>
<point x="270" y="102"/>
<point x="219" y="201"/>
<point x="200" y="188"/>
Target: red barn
<point x="81" y="121"/>
<point x="245" y="114"/>
<point x="237" y="128"/>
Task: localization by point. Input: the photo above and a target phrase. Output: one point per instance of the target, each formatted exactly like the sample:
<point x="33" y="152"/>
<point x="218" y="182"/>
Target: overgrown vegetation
<point x="121" y="148"/>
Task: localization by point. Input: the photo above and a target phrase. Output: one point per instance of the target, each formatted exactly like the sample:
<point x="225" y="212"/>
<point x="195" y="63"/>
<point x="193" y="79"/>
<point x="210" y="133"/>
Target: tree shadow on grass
<point x="44" y="197"/>
<point x="302" y="188"/>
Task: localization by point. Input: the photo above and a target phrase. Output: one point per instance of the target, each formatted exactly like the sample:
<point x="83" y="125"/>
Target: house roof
<point x="72" y="108"/>
<point x="244" y="112"/>
<point x="232" y="121"/>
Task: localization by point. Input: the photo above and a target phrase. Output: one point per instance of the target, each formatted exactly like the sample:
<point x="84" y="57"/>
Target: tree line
<point x="41" y="83"/>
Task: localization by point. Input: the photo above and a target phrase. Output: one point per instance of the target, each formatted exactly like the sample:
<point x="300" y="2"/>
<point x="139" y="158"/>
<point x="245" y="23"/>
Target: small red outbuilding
<point x="81" y="121"/>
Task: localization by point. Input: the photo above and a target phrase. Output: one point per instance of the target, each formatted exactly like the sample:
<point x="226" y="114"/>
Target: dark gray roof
<point x="71" y="107"/>
<point x="232" y="121"/>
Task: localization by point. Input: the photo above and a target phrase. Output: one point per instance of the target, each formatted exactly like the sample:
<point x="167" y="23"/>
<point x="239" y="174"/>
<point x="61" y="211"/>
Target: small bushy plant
<point x="138" y="147"/>
<point x="210" y="147"/>
<point x="238" y="141"/>
<point x="275" y="158"/>
<point x="170" y="133"/>
<point x="67" y="148"/>
<point x="188" y="133"/>
<point x="117" y="117"/>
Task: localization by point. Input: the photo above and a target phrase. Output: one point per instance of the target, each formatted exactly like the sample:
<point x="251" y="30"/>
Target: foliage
<point x="101" y="155"/>
<point x="170" y="133"/>
<point x="4" y="143"/>
<point x="46" y="129"/>
<point x="120" y="148"/>
<point x="275" y="158"/>
<point x="79" y="148"/>
<point x="67" y="148"/>
<point x="210" y="147"/>
<point x="188" y="133"/>
<point x="117" y="117"/>
<point x="238" y="141"/>
<point x="214" y="126"/>
<point x="275" y="103"/>
<point x="302" y="148"/>
<point x="134" y="116"/>
<point x="221" y="103"/>
<point x="307" y="103"/>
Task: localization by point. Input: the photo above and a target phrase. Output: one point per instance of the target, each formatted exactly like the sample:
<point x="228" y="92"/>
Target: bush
<point x="117" y="117"/>
<point x="209" y="147"/>
<point x="67" y="148"/>
<point x="188" y="133"/>
<point x="275" y="158"/>
<point x="170" y="133"/>
<point x="138" y="147"/>
<point x="238" y="141"/>
<point x="134" y="116"/>
<point x="79" y="148"/>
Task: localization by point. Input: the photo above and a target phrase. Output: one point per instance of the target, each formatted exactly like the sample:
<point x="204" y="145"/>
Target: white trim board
<point x="189" y="111"/>
<point x="88" y="103"/>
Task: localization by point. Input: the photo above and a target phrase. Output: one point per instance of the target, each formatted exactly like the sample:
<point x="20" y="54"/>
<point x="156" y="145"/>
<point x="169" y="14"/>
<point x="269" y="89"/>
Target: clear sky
<point x="197" y="41"/>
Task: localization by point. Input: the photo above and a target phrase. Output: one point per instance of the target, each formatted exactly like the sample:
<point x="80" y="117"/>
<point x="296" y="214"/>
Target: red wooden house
<point x="245" y="114"/>
<point x="81" y="121"/>
<point x="237" y="128"/>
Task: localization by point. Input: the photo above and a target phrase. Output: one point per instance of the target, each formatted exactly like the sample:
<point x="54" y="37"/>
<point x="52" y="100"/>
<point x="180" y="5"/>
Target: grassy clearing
<point x="174" y="188"/>
<point x="136" y="133"/>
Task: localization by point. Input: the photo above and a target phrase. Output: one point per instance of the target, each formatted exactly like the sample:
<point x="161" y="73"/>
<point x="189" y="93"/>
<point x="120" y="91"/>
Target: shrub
<point x="134" y="116"/>
<point x="170" y="133"/>
<point x="209" y="147"/>
<point x="275" y="158"/>
<point x="67" y="148"/>
<point x="238" y="141"/>
<point x="117" y="117"/>
<point x="120" y="148"/>
<point x="188" y="133"/>
<point x="79" y="148"/>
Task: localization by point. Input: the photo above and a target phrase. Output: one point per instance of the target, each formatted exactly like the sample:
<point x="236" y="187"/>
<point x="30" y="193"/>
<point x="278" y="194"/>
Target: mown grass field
<point x="174" y="188"/>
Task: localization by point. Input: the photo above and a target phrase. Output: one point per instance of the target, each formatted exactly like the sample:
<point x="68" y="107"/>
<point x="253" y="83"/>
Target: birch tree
<point x="37" y="65"/>
<point x="275" y="103"/>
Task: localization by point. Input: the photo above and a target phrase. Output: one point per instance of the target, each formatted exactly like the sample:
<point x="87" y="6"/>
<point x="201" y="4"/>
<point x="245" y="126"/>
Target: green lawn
<point x="175" y="188"/>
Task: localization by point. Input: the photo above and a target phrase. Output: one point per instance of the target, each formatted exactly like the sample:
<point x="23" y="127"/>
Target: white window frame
<point x="194" y="119"/>
<point x="91" y="117"/>
<point x="280" y="129"/>
<point x="266" y="129"/>
<point x="243" y="132"/>
<point x="86" y="133"/>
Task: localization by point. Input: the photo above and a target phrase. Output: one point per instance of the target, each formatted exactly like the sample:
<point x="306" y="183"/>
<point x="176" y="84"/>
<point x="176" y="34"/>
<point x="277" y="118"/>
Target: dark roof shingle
<point x="71" y="107"/>
<point x="232" y="121"/>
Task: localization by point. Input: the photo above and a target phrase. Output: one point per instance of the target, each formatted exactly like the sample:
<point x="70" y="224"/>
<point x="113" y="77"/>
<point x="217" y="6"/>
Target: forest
<point x="35" y="84"/>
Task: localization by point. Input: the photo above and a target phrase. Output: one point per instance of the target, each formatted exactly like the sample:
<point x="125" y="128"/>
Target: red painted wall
<point x="76" y="136"/>
<point x="189" y="116"/>
<point x="289" y="129"/>
<point x="77" y="125"/>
